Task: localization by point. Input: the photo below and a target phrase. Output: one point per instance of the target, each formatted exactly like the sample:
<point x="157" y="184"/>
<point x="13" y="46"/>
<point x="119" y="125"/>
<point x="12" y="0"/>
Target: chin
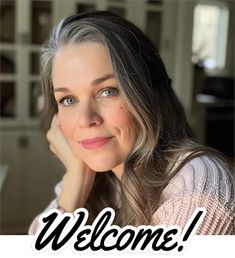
<point x="101" y="164"/>
<point x="99" y="167"/>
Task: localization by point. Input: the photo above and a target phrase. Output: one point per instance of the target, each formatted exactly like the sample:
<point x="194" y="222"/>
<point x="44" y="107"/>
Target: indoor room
<point x="195" y="40"/>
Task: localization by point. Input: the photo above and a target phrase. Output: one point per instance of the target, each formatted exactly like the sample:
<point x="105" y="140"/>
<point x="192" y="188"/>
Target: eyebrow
<point x="93" y="83"/>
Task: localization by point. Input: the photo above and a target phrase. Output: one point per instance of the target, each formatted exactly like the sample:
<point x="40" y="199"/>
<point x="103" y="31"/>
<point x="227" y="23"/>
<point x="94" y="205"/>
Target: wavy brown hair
<point x="164" y="134"/>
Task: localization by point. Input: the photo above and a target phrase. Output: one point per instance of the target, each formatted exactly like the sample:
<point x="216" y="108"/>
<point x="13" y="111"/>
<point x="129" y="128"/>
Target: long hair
<point x="164" y="134"/>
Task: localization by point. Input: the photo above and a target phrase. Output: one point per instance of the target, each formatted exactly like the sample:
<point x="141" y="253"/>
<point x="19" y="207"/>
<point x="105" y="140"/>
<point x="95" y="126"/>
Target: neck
<point x="118" y="171"/>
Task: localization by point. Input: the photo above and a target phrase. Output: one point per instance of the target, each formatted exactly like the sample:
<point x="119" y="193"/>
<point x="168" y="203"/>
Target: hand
<point x="79" y="178"/>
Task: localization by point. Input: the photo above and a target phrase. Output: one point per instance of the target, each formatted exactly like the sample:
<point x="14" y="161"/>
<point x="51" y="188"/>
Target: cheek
<point x="120" y="118"/>
<point x="67" y="125"/>
<point x="126" y="126"/>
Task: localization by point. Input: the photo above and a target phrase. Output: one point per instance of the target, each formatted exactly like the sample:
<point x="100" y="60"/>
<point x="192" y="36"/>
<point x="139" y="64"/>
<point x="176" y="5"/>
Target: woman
<point x="121" y="133"/>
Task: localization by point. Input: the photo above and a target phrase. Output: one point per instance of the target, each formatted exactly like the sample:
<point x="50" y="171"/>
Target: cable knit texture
<point x="202" y="182"/>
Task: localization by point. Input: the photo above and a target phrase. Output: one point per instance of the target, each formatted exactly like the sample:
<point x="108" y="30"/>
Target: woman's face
<point x="91" y="109"/>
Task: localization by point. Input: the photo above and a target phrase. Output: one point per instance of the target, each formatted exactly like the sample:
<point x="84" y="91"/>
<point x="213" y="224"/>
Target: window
<point x="210" y="35"/>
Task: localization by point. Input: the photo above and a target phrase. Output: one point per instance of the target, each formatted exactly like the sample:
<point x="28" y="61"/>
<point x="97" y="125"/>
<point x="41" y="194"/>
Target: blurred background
<point x="195" y="40"/>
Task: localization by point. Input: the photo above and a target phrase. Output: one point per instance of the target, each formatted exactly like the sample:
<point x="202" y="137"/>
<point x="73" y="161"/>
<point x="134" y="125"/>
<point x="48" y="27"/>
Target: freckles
<point x="123" y="112"/>
<point x="120" y="117"/>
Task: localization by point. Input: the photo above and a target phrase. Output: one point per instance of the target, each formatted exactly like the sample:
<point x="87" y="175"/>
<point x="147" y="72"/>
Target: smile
<point x="95" y="143"/>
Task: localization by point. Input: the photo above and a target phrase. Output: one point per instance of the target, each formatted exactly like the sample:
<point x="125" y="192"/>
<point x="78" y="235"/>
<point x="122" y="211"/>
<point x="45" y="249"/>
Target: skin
<point x="87" y="108"/>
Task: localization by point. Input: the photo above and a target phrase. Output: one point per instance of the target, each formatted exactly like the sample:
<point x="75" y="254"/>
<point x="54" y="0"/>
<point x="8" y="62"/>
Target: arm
<point x="73" y="191"/>
<point x="78" y="179"/>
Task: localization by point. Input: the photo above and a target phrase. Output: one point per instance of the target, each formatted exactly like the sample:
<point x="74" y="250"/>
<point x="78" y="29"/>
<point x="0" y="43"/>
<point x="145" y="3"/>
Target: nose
<point x="88" y="116"/>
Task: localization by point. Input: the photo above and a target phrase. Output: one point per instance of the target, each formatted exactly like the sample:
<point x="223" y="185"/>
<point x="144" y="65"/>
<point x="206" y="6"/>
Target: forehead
<point x="86" y="60"/>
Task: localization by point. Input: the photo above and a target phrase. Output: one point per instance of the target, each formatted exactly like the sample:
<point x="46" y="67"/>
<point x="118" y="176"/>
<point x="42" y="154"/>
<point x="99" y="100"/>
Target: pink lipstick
<point x="94" y="143"/>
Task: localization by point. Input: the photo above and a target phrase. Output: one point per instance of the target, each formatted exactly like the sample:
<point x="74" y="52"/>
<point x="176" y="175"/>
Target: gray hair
<point x="159" y="119"/>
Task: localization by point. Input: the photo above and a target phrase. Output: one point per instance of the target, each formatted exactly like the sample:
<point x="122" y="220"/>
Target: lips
<point x="96" y="142"/>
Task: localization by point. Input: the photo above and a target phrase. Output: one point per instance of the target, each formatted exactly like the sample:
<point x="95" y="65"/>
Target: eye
<point x="108" y="92"/>
<point x="67" y="101"/>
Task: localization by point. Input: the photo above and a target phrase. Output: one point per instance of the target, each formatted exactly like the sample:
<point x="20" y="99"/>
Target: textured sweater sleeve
<point x="203" y="182"/>
<point x="53" y="205"/>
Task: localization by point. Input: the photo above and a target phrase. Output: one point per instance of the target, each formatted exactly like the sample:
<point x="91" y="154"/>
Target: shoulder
<point x="204" y="175"/>
<point x="204" y="181"/>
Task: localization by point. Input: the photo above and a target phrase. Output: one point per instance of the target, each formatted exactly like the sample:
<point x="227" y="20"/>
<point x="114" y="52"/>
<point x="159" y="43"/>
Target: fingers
<point x="57" y="154"/>
<point x="58" y="142"/>
<point x="52" y="134"/>
<point x="56" y="138"/>
<point x="52" y="148"/>
<point x="54" y="130"/>
<point x="54" y="121"/>
<point x="60" y="146"/>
